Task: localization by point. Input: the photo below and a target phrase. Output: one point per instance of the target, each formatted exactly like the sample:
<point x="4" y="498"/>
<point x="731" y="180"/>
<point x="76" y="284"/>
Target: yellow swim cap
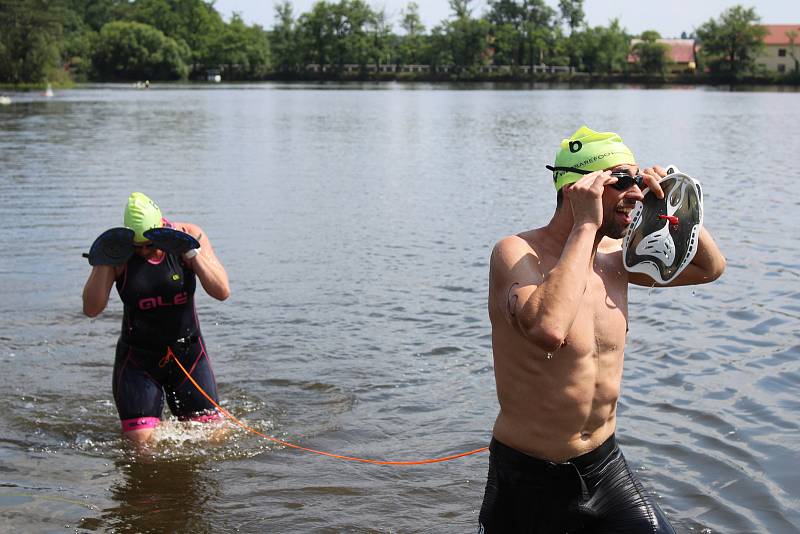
<point x="142" y="214"/>
<point x="587" y="150"/>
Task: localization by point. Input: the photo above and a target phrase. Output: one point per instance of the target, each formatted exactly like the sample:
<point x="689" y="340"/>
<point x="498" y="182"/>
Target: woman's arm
<point x="97" y="289"/>
<point x="205" y="264"/>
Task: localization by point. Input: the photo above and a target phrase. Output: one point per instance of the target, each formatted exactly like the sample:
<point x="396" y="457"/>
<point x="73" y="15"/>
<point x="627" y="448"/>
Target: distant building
<point x="782" y="46"/>
<point x="681" y="52"/>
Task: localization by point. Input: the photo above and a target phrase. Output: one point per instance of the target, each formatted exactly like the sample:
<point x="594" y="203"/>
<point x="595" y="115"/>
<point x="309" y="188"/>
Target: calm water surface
<point x="355" y="223"/>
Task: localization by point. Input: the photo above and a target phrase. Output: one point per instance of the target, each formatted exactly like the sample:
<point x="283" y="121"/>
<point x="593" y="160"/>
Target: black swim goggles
<point x="624" y="180"/>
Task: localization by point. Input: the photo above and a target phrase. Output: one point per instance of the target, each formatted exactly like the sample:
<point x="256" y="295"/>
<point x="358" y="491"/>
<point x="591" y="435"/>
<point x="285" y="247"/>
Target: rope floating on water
<point x="226" y="413"/>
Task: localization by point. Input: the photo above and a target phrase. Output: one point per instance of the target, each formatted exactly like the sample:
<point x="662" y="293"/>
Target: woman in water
<point x="157" y="289"/>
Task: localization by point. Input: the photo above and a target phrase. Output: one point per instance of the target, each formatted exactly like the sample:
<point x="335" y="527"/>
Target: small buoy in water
<point x="217" y="78"/>
<point x="5" y="100"/>
<point x="49" y="91"/>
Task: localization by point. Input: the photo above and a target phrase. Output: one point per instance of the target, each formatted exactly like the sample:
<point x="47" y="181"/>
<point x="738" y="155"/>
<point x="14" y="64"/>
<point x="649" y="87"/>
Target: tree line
<point x="117" y="40"/>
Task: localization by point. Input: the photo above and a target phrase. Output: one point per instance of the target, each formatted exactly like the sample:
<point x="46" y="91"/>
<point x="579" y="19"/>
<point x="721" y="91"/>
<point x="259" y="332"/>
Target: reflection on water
<point x="161" y="496"/>
<point x="356" y="226"/>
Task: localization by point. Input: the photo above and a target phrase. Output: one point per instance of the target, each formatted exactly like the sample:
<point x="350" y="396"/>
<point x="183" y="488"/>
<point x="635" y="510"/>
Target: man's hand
<point x="586" y="197"/>
<point x="653" y="175"/>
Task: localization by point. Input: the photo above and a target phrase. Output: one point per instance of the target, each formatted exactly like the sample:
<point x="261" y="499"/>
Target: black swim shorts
<point x="592" y="493"/>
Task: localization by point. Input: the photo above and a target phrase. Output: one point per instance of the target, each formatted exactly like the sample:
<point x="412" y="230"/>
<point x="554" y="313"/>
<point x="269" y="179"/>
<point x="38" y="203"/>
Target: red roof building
<point x="782" y="48"/>
<point x="681" y="52"/>
<point x="780" y="34"/>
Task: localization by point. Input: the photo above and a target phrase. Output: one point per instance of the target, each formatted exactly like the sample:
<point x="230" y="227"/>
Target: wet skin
<point x="558" y="305"/>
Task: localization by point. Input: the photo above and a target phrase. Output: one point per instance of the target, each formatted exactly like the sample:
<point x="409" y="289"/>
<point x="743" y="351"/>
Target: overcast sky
<point x="668" y="17"/>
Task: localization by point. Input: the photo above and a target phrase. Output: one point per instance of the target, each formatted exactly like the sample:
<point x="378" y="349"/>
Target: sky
<point x="668" y="17"/>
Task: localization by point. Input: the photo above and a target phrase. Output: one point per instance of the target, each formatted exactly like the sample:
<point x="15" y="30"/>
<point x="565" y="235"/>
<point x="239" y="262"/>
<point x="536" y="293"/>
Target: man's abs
<point x="557" y="444"/>
<point x="560" y="407"/>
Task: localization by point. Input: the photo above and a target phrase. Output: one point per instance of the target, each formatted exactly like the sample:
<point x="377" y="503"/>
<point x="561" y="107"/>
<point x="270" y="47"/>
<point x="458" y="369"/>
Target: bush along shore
<point x="66" y="41"/>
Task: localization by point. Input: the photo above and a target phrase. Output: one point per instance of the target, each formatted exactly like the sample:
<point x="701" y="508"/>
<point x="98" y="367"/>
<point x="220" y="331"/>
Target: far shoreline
<point x="540" y="82"/>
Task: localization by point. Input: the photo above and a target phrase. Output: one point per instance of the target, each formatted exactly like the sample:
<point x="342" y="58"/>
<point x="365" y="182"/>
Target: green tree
<point x="467" y="38"/>
<point x="411" y="21"/>
<point x="77" y="45"/>
<point x="572" y="13"/>
<point x="438" y="53"/>
<point x="315" y="38"/>
<point x="30" y="40"/>
<point x="136" y="51"/>
<point x="347" y="32"/>
<point x="539" y="31"/>
<point x="411" y="47"/>
<point x="97" y="13"/>
<point x="350" y="22"/>
<point x="524" y="31"/>
<point x="612" y="48"/>
<point x="651" y="56"/>
<point x="193" y="22"/>
<point x="507" y="18"/>
<point x="284" y="39"/>
<point x="599" y="49"/>
<point x="380" y="31"/>
<point x="508" y="45"/>
<point x="461" y="8"/>
<point x="243" y="50"/>
<point x="731" y="44"/>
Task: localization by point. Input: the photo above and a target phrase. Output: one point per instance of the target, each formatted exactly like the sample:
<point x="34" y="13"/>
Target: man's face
<point x="619" y="204"/>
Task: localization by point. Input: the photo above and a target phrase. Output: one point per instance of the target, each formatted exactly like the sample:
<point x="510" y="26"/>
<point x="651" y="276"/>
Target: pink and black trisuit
<point x="159" y="313"/>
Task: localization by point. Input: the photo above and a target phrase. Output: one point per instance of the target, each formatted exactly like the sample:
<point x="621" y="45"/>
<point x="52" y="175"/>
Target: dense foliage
<point x="30" y="39"/>
<point x="136" y="51"/>
<point x="175" y="39"/>
<point x="126" y="40"/>
<point x="732" y="42"/>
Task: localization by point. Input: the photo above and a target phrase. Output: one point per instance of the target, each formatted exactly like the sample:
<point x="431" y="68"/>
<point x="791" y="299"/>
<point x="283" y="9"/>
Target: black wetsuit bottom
<point x="143" y="378"/>
<point x="592" y="493"/>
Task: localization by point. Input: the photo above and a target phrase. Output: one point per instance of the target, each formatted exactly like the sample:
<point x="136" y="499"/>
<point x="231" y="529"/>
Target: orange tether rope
<point x="227" y="414"/>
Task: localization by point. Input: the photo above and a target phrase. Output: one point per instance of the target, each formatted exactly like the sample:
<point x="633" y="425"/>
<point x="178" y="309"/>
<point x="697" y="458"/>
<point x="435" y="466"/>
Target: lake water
<point x="355" y="222"/>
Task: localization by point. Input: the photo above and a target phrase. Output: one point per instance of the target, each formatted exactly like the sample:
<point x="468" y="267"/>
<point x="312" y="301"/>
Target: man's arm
<point x="707" y="265"/>
<point x="542" y="307"/>
<point x="206" y="265"/>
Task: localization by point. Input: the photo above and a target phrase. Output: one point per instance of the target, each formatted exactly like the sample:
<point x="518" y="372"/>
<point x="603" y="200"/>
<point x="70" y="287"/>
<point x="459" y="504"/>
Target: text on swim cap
<point x="593" y="159"/>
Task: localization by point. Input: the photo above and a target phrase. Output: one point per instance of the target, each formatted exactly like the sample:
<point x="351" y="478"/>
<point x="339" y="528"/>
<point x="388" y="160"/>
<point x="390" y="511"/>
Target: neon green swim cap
<point x="590" y="151"/>
<point x="142" y="214"/>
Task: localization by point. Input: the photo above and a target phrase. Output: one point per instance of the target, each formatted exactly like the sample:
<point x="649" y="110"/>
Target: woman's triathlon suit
<point x="160" y="313"/>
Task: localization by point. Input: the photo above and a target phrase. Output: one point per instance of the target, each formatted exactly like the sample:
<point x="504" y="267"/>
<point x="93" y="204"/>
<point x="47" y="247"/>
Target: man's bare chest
<point x="601" y="322"/>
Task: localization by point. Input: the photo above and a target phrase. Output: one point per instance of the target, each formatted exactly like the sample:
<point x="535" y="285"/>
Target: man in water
<point x="157" y="289"/>
<point x="558" y="305"/>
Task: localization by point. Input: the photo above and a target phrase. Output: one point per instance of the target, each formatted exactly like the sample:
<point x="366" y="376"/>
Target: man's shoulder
<point x="522" y="243"/>
<point x="513" y="250"/>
